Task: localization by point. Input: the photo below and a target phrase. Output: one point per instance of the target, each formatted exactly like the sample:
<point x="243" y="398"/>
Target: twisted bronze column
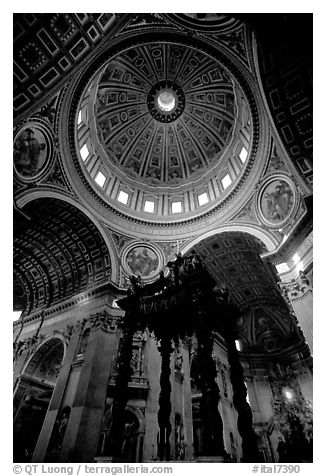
<point x="213" y="444"/>
<point x="245" y="423"/>
<point x="165" y="400"/>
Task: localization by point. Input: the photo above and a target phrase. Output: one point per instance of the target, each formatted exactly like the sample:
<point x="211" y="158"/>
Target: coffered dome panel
<point x="139" y="132"/>
<point x="163" y="130"/>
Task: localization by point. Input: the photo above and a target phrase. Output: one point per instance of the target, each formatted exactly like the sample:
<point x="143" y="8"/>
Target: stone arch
<point x="26" y="198"/>
<point x="51" y="347"/>
<point x="235" y="259"/>
<point x="266" y="238"/>
<point x="61" y="252"/>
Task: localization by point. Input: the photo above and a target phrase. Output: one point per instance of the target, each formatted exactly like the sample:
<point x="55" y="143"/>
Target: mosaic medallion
<point x="277" y="201"/>
<point x="142" y="261"/>
<point x="31" y="150"/>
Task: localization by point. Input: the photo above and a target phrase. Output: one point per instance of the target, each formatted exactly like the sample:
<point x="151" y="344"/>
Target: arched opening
<point x="32" y="396"/>
<point x="269" y="343"/>
<point x="234" y="259"/>
<point x="58" y="253"/>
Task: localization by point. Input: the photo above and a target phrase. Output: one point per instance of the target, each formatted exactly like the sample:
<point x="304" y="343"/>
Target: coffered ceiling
<point x="47" y="47"/>
<point x="58" y="252"/>
<point x="233" y="259"/>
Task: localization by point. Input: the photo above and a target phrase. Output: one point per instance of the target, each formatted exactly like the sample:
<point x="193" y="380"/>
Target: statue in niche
<point x="59" y="431"/>
<point x="63" y="422"/>
<point x="29" y="152"/>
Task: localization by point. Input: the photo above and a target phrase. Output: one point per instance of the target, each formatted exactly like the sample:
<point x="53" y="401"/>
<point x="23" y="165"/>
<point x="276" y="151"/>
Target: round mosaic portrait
<point x="277" y="201"/>
<point x="142" y="261"/>
<point x="31" y="149"/>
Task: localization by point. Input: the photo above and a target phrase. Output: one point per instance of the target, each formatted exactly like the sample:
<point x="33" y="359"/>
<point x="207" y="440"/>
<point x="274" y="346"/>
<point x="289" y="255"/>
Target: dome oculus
<point x="166" y="100"/>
